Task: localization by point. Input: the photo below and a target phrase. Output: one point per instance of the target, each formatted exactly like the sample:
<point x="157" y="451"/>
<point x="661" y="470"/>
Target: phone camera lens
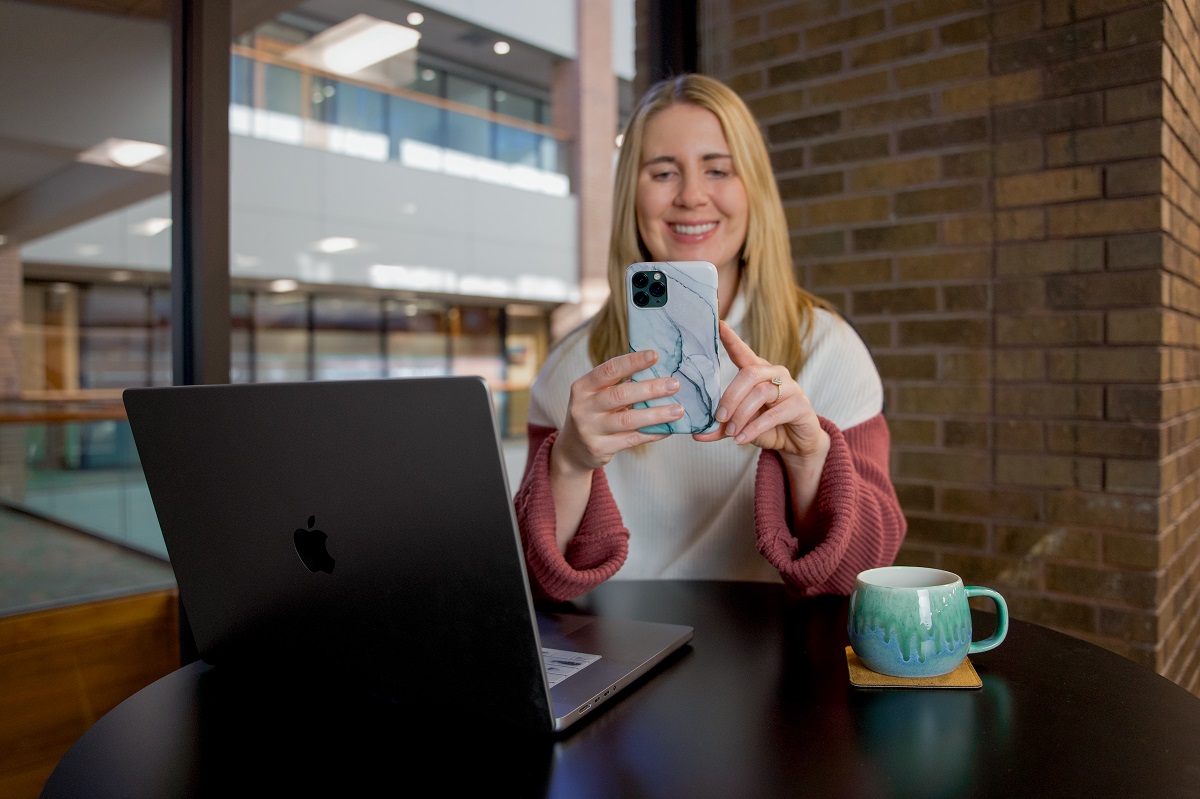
<point x="658" y="289"/>
<point x="640" y="280"/>
<point x="640" y="298"/>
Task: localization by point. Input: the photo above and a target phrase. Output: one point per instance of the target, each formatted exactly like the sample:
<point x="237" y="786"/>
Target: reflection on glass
<point x="346" y="338"/>
<point x="281" y="336"/>
<point x="416" y="339"/>
<point x="241" y="337"/>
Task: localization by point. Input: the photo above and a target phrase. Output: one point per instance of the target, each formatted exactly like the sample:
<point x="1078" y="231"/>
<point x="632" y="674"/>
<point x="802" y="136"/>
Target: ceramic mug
<point x="912" y="621"/>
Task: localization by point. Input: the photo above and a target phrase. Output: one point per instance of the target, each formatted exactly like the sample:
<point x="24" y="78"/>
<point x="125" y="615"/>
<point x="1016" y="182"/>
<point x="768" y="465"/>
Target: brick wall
<point x="1003" y="197"/>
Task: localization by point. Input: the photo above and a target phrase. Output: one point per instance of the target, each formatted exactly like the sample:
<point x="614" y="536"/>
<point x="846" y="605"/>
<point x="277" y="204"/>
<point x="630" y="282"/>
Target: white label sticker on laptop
<point x="561" y="664"/>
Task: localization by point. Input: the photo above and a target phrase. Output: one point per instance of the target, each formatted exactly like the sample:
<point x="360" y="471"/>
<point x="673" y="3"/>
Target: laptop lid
<point x="363" y="533"/>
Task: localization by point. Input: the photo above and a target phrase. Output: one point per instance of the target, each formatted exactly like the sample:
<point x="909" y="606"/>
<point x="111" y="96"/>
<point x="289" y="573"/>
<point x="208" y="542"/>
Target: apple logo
<point x="310" y="546"/>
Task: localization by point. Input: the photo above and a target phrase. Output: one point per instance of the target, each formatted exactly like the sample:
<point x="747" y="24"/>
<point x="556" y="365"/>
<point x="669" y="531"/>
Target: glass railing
<point x="277" y="100"/>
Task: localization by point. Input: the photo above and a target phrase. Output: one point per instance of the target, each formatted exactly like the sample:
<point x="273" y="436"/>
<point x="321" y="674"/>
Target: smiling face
<point x="691" y="204"/>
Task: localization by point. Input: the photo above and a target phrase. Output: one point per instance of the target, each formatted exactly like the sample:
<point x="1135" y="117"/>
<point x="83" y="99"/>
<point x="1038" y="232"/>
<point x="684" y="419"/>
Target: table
<point x="759" y="705"/>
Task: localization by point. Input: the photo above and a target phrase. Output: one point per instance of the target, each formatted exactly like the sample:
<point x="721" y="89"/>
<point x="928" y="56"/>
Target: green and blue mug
<point x="912" y="621"/>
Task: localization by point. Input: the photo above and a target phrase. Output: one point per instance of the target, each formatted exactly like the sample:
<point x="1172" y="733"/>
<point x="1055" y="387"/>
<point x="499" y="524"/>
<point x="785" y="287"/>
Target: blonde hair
<point x="778" y="309"/>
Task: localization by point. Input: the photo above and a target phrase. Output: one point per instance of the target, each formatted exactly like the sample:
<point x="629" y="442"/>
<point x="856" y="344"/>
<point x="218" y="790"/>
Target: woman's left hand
<point x="771" y="415"/>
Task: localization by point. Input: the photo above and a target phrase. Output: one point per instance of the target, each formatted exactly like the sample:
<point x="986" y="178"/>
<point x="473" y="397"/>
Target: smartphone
<point x="673" y="309"/>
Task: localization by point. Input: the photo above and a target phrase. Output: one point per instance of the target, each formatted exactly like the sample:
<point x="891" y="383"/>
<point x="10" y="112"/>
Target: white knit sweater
<point x="689" y="506"/>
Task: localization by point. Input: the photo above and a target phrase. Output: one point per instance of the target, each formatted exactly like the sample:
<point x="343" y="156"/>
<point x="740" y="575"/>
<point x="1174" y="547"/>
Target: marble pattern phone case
<point x="681" y="323"/>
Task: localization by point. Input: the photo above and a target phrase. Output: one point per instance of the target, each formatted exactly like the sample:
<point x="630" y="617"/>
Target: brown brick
<point x="1133" y="177"/>
<point x="1135" y="252"/>
<point x="805" y="127"/>
<point x="968" y="230"/>
<point x="873" y="84"/>
<point x="1048" y="471"/>
<point x="1023" y="224"/>
<point x="908" y="367"/>
<point x="852" y="273"/>
<point x="945" y="399"/>
<point x="1122" y="365"/>
<point x="1132" y="588"/>
<point x="1051" y="116"/>
<point x="965" y="31"/>
<point x="964" y="435"/>
<point x="812" y="185"/>
<point x="1050" y="329"/>
<point x="1050" y="257"/>
<point x="1112" y="143"/>
<point x="1133" y="477"/>
<point x="819" y="245"/>
<point x="1014" y="505"/>
<point x="1105" y="216"/>
<point x="1130" y="625"/>
<point x="764" y="50"/>
<point x="842" y="30"/>
<point x="1020" y="295"/>
<point x="963" y="366"/>
<point x="804" y="70"/>
<point x="1127" y="103"/>
<point x="859" y="148"/>
<point x="922" y="202"/>
<point x="1043" y="542"/>
<point x="1025" y="155"/>
<point x="920" y="10"/>
<point x="1105" y="290"/>
<point x="896" y="302"/>
<point x="913" y="497"/>
<point x="963" y="265"/>
<point x="974" y="164"/>
<point x="894" y="174"/>
<point x="1134" y="27"/>
<point x="789" y="159"/>
<point x="1136" y="326"/>
<point x="982" y="94"/>
<point x="849" y="210"/>
<point x="793" y="15"/>
<point x="1052" y="186"/>
<point x="1135" y="403"/>
<point x="904" y="109"/>
<point x="1062" y="614"/>
<point x="893" y="49"/>
<point x="1111" y="439"/>
<point x="1054" y="46"/>
<point x="1016" y="19"/>
<point x="1017" y="435"/>
<point x="950" y="332"/>
<point x="747" y="27"/>
<point x="1020" y="365"/>
<point x="1050" y="401"/>
<point x="746" y="83"/>
<point x="908" y="431"/>
<point x="1102" y="72"/>
<point x="1059" y="12"/>
<point x="786" y="102"/>
<point x="956" y="467"/>
<point x="972" y="63"/>
<point x="895" y="237"/>
<point x="1003" y="574"/>
<point x="947" y="532"/>
<point x="943" y="134"/>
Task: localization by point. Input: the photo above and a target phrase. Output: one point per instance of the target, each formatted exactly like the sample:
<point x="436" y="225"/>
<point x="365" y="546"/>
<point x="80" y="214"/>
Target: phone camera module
<point x="658" y="289"/>
<point x="640" y="298"/>
<point x="640" y="280"/>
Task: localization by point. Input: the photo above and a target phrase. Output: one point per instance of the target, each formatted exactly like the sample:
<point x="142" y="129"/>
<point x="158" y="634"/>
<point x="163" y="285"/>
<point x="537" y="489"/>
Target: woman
<point x="794" y="484"/>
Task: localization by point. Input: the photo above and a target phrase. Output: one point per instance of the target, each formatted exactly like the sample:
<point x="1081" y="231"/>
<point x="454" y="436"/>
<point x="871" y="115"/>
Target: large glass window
<point x="416" y="339"/>
<point x="281" y="334"/>
<point x="347" y="338"/>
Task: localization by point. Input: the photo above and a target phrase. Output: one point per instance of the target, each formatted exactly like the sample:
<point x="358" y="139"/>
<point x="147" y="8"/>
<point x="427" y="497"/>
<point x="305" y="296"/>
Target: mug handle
<point x="1001" y="619"/>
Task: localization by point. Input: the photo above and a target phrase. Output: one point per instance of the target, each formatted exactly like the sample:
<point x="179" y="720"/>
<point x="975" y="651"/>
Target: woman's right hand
<point x="600" y="420"/>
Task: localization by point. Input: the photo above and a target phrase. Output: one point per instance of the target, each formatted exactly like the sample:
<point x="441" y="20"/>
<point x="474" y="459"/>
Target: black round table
<point x="759" y="704"/>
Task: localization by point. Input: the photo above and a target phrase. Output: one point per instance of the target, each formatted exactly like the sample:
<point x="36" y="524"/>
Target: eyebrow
<point x="670" y="159"/>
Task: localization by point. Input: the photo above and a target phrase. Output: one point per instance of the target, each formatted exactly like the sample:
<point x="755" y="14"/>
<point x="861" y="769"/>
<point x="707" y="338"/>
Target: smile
<point x="693" y="230"/>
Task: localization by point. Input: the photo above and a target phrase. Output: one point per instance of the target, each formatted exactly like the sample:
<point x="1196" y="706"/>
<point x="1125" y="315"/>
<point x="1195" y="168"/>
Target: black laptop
<point x="364" y="531"/>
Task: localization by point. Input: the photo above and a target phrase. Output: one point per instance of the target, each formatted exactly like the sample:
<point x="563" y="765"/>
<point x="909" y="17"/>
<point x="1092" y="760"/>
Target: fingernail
<point x="741" y="439"/>
<point x="672" y="385"/>
<point x="730" y="430"/>
<point x="722" y="414"/>
<point x="647" y="356"/>
<point x="678" y="411"/>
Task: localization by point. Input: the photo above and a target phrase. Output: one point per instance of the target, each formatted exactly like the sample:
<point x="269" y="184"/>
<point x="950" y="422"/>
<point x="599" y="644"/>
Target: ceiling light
<point x="150" y="227"/>
<point x="121" y="276"/>
<point x="355" y="44"/>
<point x="336" y="244"/>
<point x="501" y="48"/>
<point x="285" y="285"/>
<point x="416" y="18"/>
<point x="127" y="153"/>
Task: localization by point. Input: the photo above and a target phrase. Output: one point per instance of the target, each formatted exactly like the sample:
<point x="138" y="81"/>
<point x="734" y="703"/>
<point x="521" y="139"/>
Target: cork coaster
<point x="964" y="676"/>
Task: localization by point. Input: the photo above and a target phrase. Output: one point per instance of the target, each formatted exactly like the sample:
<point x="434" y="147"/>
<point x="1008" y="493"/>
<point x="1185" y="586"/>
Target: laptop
<point x="361" y="533"/>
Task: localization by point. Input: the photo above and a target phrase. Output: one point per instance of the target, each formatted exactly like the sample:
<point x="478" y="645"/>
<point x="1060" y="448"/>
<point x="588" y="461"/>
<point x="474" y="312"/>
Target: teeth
<point x="693" y="230"/>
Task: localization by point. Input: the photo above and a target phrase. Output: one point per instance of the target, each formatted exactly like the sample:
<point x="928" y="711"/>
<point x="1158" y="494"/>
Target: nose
<point x="692" y="192"/>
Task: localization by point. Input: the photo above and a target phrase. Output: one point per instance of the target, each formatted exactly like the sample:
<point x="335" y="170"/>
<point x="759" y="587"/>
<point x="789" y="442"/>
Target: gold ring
<point x="777" y="381"/>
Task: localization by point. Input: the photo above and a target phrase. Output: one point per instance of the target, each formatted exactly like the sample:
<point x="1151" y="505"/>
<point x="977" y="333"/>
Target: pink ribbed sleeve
<point x="596" y="551"/>
<point x="857" y="523"/>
